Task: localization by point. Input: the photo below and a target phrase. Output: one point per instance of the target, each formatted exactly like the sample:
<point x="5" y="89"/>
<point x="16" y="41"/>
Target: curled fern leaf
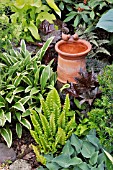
<point x="44" y="143"/>
<point x="66" y="104"/>
<point x="60" y="137"/>
<point x="35" y="136"/>
<point x="45" y="109"/>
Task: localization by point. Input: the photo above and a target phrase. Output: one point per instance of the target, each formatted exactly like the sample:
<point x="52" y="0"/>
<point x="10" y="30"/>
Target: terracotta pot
<point x="71" y="57"/>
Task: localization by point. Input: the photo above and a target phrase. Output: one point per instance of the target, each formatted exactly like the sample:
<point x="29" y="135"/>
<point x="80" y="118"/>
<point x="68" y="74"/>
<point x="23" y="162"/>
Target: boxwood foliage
<point x="77" y="154"/>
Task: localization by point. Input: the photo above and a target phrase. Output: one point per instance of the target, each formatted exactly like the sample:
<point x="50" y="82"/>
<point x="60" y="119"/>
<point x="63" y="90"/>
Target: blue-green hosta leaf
<point x="87" y="149"/>
<point x="84" y="166"/>
<point x="42" y="51"/>
<point x="7" y="135"/>
<point x="75" y="161"/>
<point x="8" y="116"/>
<point x="45" y="76"/>
<point x="53" y="166"/>
<point x="94" y="140"/>
<point x="93" y="159"/>
<point x="106" y="21"/>
<point x="25" y="123"/>
<point x="34" y="30"/>
<point x="68" y="149"/>
<point x="76" y="142"/>
<point x="19" y="106"/>
<point x="62" y="160"/>
<point x="19" y="130"/>
<point x="2" y="118"/>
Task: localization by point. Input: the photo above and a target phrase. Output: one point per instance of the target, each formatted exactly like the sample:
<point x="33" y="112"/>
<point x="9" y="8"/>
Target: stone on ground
<point x="20" y="164"/>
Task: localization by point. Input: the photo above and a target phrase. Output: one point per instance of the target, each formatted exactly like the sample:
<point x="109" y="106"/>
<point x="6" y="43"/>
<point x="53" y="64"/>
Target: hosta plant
<point x="77" y="154"/>
<point x="53" y="124"/>
<point x="23" y="82"/>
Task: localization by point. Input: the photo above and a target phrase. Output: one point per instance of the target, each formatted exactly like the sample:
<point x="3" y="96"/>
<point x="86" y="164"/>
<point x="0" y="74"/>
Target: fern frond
<point x="53" y="97"/>
<point x="66" y="106"/>
<point x="61" y="120"/>
<point x="56" y="112"/>
<point x="60" y="137"/>
<point x="52" y="124"/>
<point x="44" y="143"/>
<point x="71" y="124"/>
<point x="39" y="157"/>
<point x="45" y="124"/>
<point x="69" y="134"/>
<point x="35" y="136"/>
<point x="45" y="109"/>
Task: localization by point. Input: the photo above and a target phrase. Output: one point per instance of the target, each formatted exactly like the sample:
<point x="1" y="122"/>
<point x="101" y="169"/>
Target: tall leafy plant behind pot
<point x="71" y="57"/>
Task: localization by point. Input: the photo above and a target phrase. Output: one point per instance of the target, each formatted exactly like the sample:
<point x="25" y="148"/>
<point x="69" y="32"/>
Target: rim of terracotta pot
<point x="86" y="43"/>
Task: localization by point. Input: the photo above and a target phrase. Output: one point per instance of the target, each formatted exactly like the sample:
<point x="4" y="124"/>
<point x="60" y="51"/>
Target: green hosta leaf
<point x="84" y="166"/>
<point x="42" y="51"/>
<point x="68" y="149"/>
<point x="87" y="149"/>
<point x="18" y="90"/>
<point x="9" y="97"/>
<point x="2" y="118"/>
<point x="33" y="91"/>
<point x="19" y="130"/>
<point x="34" y="30"/>
<point x="45" y="76"/>
<point x="75" y="161"/>
<point x="62" y="160"/>
<point x="24" y="100"/>
<point x="76" y="142"/>
<point x="8" y="116"/>
<point x="28" y="89"/>
<point x="25" y="123"/>
<point x="93" y="159"/>
<point x="2" y="104"/>
<point x="19" y="106"/>
<point x="92" y="14"/>
<point x="18" y="115"/>
<point x="106" y="21"/>
<point x="7" y="135"/>
<point x="52" y="4"/>
<point x="17" y="79"/>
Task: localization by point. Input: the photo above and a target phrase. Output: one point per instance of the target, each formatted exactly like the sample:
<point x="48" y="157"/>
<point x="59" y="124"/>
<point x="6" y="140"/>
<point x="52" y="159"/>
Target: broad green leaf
<point x="19" y="130"/>
<point x="25" y="123"/>
<point x="24" y="100"/>
<point x="7" y="135"/>
<point x="8" y="116"/>
<point x="92" y="14"/>
<point x="18" y="90"/>
<point x="61" y="5"/>
<point x="17" y="79"/>
<point x="76" y="142"/>
<point x="18" y="115"/>
<point x="42" y="51"/>
<point x="19" y="106"/>
<point x="62" y="160"/>
<point x="49" y="17"/>
<point x="2" y="118"/>
<point x="2" y="104"/>
<point x="45" y="76"/>
<point x="28" y="89"/>
<point x="26" y="113"/>
<point x="69" y="17"/>
<point x="10" y="86"/>
<point x="106" y="21"/>
<point x="34" y="30"/>
<point x="93" y="159"/>
<point x="37" y="4"/>
<point x="77" y="20"/>
<point x="52" y="4"/>
<point x="27" y="80"/>
<point x="94" y="140"/>
<point x="87" y="149"/>
<point x="34" y="90"/>
<point x="68" y="149"/>
<point x="9" y="97"/>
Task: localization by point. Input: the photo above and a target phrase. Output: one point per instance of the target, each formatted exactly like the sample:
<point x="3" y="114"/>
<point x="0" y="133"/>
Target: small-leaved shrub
<point x="53" y="124"/>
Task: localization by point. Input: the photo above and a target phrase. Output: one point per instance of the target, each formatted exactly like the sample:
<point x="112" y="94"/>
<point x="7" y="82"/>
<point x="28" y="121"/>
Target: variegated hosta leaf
<point x="7" y="135"/>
